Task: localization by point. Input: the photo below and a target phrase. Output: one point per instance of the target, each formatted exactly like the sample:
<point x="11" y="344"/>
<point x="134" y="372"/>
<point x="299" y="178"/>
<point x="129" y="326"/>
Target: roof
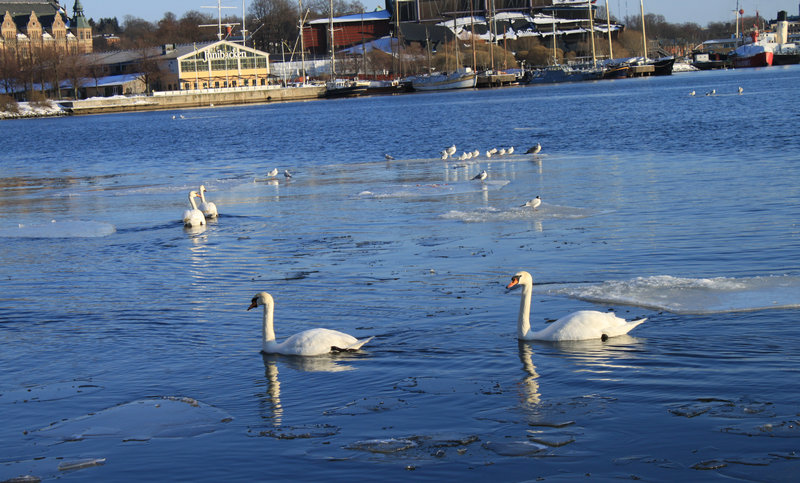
<point x="356" y="17"/>
<point x="41" y="7"/>
<point x="113" y="80"/>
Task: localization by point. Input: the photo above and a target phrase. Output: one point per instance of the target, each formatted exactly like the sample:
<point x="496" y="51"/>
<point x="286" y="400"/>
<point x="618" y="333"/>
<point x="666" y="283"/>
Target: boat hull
<point x="444" y="82"/>
<point x="761" y="59"/>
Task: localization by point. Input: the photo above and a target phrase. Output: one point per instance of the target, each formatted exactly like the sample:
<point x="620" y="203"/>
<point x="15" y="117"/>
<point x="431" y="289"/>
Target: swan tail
<point x="352" y="347"/>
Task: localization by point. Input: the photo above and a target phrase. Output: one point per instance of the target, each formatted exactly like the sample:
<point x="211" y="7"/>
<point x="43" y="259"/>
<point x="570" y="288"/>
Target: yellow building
<point x="220" y="64"/>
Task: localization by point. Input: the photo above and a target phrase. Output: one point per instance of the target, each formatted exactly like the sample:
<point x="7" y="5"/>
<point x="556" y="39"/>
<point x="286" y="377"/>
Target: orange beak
<point x="253" y="305"/>
<point x="514" y="282"/>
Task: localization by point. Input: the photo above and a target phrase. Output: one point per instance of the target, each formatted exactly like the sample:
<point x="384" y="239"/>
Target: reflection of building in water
<point x="529" y="385"/>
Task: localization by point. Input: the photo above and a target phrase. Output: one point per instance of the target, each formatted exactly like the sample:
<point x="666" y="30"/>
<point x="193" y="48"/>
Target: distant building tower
<point x="82" y="29"/>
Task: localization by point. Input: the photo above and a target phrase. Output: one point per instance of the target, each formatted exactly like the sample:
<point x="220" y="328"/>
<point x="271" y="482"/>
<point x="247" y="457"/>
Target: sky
<point x="675" y="11"/>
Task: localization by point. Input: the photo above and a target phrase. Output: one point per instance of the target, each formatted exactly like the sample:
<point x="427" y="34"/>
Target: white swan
<point x="193" y="217"/>
<point x="312" y="342"/>
<point x="208" y="208"/>
<point x="581" y="325"/>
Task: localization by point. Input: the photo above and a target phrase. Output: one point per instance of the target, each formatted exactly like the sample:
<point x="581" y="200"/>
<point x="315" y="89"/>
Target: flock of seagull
<point x="581" y="325"/>
<point x="450" y="152"/>
<point x="713" y="92"/>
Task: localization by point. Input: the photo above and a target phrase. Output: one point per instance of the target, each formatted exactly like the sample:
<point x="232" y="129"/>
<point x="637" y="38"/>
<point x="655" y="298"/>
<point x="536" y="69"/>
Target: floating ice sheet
<point x="544" y="212"/>
<point x="434" y="189"/>
<point x="690" y="295"/>
<point x="59" y="229"/>
<point x="48" y="392"/>
<point x="159" y="417"/>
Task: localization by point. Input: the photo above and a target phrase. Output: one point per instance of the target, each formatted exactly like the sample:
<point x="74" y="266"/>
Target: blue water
<point x="127" y="352"/>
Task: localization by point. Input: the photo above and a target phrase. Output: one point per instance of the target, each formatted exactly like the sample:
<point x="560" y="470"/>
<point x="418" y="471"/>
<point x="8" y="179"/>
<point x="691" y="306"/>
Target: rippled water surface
<point x="127" y="352"/>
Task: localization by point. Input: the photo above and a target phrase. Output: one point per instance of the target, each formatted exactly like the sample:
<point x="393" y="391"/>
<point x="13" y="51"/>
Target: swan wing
<point x="314" y="342"/>
<point x="585" y="324"/>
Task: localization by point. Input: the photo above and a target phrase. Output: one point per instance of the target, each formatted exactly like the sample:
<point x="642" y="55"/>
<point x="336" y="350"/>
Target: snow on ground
<point x="26" y="109"/>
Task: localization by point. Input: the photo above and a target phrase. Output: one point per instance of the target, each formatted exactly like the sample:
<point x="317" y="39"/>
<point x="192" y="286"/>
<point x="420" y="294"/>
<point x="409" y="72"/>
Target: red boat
<point x="759" y="53"/>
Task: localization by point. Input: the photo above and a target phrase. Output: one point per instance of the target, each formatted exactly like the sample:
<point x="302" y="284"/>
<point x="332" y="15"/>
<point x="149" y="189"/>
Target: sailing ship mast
<point x="644" y="34"/>
<point x="608" y="29"/>
<point x="330" y="29"/>
<point x="591" y="31"/>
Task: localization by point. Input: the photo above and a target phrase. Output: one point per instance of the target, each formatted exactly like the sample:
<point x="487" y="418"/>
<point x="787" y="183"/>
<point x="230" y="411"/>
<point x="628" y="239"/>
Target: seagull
<point x="740" y="89"/>
<point x="712" y="92"/>
<point x="388" y="157"/>
<point x="481" y="176"/>
<point x="173" y="117"/>
<point x="502" y="152"/>
<point x="534" y="203"/>
<point x="534" y="149"/>
<point x="444" y="155"/>
<point x="510" y="150"/>
<point x="692" y="93"/>
<point x="451" y="150"/>
<point x="182" y="117"/>
<point x="272" y="173"/>
<point x="488" y="154"/>
<point x="287" y="174"/>
<point x="476" y="153"/>
<point x="493" y="150"/>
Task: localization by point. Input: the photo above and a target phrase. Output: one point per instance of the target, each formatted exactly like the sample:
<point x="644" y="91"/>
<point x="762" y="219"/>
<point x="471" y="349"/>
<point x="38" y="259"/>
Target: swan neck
<point x="192" y="202"/>
<point x="523" y="320"/>
<point x="203" y="196"/>
<point x="267" y="332"/>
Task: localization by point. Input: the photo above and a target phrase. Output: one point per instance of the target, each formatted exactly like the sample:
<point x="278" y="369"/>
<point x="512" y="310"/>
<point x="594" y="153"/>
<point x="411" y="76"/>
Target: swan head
<point x="203" y="188"/>
<point x="261" y="298"/>
<point x="193" y="194"/>
<point x="522" y="278"/>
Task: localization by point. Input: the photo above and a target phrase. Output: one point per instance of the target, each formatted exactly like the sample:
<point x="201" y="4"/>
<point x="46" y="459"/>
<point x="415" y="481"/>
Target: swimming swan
<point x="581" y="325"/>
<point x="208" y="208"/>
<point x="312" y="342"/>
<point x="193" y="217"/>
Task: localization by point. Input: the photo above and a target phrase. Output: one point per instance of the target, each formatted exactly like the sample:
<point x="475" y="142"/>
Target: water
<point x="127" y="353"/>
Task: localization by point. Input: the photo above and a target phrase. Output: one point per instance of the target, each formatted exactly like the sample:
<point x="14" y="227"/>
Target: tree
<point x="75" y="71"/>
<point x="273" y="22"/>
<point x="10" y="72"/>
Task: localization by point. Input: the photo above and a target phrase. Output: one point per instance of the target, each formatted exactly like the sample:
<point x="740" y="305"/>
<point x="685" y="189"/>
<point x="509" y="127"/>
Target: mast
<point x="472" y="37"/>
<point x="644" y="35"/>
<point x="302" y="43"/>
<point x="591" y="31"/>
<point x="330" y="28"/>
<point x="608" y="29"/>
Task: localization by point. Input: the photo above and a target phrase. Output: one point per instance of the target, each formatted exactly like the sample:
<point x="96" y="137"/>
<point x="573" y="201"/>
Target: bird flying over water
<point x="481" y="176"/>
<point x="534" y="149"/>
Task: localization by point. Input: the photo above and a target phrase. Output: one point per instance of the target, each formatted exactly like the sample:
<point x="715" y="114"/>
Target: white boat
<point x="460" y="79"/>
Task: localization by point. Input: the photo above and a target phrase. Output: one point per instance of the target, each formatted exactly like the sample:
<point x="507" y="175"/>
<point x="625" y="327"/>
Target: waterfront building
<point x="32" y="27"/>
<point x="490" y="20"/>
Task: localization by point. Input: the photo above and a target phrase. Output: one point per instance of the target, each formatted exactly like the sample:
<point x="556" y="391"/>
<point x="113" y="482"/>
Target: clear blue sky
<point x="675" y="11"/>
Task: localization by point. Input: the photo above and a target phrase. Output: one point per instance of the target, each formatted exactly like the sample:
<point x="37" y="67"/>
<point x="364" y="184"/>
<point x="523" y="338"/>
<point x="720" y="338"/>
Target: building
<point x="34" y="26"/>
<point x="490" y="20"/>
<point x="216" y="65"/>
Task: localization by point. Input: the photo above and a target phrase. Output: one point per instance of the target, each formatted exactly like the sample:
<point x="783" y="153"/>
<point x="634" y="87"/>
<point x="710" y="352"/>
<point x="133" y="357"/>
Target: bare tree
<point x="76" y="72"/>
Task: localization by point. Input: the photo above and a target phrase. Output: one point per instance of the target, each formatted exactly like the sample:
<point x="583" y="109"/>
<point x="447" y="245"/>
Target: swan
<point x="273" y="173"/>
<point x="480" y="176"/>
<point x="312" y="342"/>
<point x="193" y="217"/>
<point x="208" y="208"/>
<point x="581" y="325"/>
<point x="534" y="149"/>
<point x="534" y="203"/>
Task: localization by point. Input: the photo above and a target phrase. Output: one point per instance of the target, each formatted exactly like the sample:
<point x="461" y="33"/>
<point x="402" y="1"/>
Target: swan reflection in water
<point x="529" y="386"/>
<point x="324" y="363"/>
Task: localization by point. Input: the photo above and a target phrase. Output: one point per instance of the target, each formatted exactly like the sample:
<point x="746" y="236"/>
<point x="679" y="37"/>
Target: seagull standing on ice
<point x="510" y="150"/>
<point x="272" y="173"/>
<point x="451" y="150"/>
<point x="534" y="203"/>
<point x="534" y="149"/>
<point x="481" y="176"/>
<point x="287" y="174"/>
<point x="388" y="157"/>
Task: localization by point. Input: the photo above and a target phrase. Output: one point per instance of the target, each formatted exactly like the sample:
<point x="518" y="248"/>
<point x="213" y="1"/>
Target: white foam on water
<point x="59" y="229"/>
<point x="690" y="295"/>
